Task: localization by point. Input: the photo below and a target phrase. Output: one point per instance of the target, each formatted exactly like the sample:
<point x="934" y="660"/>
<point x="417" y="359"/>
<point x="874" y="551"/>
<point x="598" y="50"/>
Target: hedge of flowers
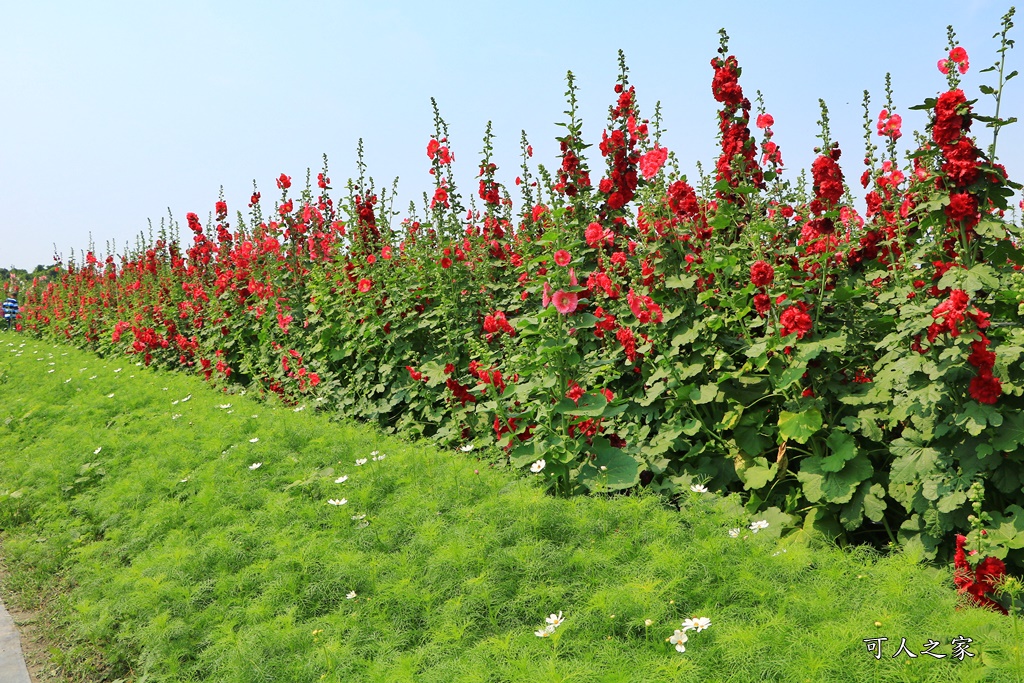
<point x="851" y="372"/>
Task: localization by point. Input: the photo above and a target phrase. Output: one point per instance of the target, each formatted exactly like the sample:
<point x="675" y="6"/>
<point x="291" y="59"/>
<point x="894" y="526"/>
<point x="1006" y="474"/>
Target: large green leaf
<point x="612" y="469"/>
<point x="833" y="487"/>
<point x="800" y="426"/>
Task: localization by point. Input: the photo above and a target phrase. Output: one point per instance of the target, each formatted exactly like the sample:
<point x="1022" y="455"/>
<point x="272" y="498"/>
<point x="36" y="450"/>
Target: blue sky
<point x="115" y="112"/>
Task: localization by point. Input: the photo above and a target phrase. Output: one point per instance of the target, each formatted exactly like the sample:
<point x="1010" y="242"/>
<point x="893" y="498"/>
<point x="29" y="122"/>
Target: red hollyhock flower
<point x="365" y="285"/>
<point x="416" y="376"/>
<point x="762" y="274"/>
<point x="762" y="303"/>
<point x="385" y="253"/>
<point x="575" y="392"/>
<point x="985" y="388"/>
<point x="795" y="319"/>
<point x="565" y="302"/>
<point x="765" y="121"/>
<point x="651" y="162"/>
<point x="562" y="257"/>
<point x="979" y="581"/>
<point x="682" y="200"/>
<point x="962" y="207"/>
<point x="284" y="182"/>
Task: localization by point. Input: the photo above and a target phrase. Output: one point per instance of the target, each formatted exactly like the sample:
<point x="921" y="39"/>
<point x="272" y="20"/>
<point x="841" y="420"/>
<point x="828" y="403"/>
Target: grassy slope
<point x="172" y="560"/>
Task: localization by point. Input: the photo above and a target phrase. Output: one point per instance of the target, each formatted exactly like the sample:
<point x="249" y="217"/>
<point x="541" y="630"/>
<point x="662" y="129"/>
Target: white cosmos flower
<point x="677" y="639"/>
<point x="758" y="525"/>
<point x="537" y="466"/>
<point x="467" y="448"/>
<point x="360" y="462"/>
<point x="358" y="517"/>
<point x="696" y="623"/>
<point x="118" y="370"/>
<point x="379" y="458"/>
<point x="110" y="396"/>
<point x="299" y="409"/>
<point x="373" y="454"/>
<point x="97" y="451"/>
<point x="698" y="488"/>
<point x="735" y="533"/>
<point x="254" y="439"/>
<point x="555" y="620"/>
<point x="224" y="406"/>
<point x="351" y="594"/>
<point x="175" y="416"/>
<point x="50" y="370"/>
<point x="255" y="466"/>
<point x="186" y="398"/>
<point x="542" y="633"/>
<point x="335" y="501"/>
<point x="93" y="377"/>
<point x="342" y="479"/>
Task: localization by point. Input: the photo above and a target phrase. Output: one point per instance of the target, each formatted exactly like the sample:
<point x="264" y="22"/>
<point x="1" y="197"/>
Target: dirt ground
<point x="36" y="651"/>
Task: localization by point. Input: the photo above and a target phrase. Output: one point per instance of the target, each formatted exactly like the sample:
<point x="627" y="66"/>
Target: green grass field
<point x="133" y="512"/>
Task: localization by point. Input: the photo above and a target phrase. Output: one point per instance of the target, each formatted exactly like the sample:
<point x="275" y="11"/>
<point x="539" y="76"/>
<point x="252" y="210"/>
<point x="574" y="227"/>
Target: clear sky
<point x="115" y="112"/>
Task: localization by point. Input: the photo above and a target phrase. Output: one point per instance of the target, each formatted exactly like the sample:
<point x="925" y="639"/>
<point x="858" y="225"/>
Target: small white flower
<point x="183" y="480"/>
<point x="379" y="458"/>
<point x="604" y="468"/>
<point x="555" y="620"/>
<point x="537" y="466"/>
<point x="342" y="479"/>
<point x="335" y="501"/>
<point x="93" y="377"/>
<point x="67" y="380"/>
<point x="50" y="370"/>
<point x="175" y="416"/>
<point x="696" y="623"/>
<point x="735" y="533"/>
<point x="97" y="451"/>
<point x="467" y="448"/>
<point x="110" y="396"/>
<point x="362" y="525"/>
<point x="758" y="525"/>
<point x="360" y="462"/>
<point x="677" y="639"/>
<point x="224" y="406"/>
<point x="648" y="622"/>
<point x="164" y="389"/>
<point x="186" y="398"/>
<point x="118" y="370"/>
<point x="254" y="416"/>
<point x="778" y="552"/>
<point x="299" y="409"/>
<point x="374" y="454"/>
<point x="542" y="633"/>
<point x="254" y="439"/>
<point x="173" y="403"/>
<point x="698" y="488"/>
<point x="351" y="594"/>
<point x="358" y="517"/>
<point x="255" y="466"/>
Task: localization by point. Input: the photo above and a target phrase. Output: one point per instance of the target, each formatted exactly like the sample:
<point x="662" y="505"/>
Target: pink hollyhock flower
<point x="545" y="299"/>
<point x="651" y="162"/>
<point x="565" y="302"/>
<point x="365" y="285"/>
<point x="943" y="66"/>
<point x="562" y="257"/>
<point x="765" y="120"/>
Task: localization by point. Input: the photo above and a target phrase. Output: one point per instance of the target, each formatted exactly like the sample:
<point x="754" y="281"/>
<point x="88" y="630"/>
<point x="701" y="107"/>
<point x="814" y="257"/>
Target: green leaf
<point x="842" y="448"/>
<point x="800" y="426"/>
<point x="833" y="487"/>
<point x="755" y="473"/>
<point x="680" y="281"/>
<point x="621" y="470"/>
<point x="705" y="394"/>
<point x="912" y="462"/>
<point x="1010" y="435"/>
<point x="591" y="404"/>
